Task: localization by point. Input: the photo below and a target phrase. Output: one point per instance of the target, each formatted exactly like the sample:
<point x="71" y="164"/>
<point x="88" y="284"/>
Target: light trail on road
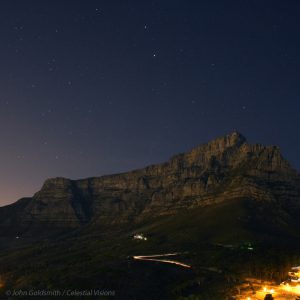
<point x="167" y="261"/>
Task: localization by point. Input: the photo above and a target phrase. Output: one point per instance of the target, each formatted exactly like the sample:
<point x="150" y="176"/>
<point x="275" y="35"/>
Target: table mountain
<point x="224" y="169"/>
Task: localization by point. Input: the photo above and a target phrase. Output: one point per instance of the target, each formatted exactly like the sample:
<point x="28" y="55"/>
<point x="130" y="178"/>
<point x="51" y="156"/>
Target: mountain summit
<point x="224" y="169"/>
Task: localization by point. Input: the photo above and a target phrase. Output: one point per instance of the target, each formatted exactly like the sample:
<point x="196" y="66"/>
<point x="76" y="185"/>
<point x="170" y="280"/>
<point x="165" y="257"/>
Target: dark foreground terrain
<point x="229" y="209"/>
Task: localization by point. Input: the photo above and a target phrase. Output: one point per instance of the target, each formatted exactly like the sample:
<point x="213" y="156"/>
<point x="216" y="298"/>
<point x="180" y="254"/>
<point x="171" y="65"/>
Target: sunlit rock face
<point x="225" y="168"/>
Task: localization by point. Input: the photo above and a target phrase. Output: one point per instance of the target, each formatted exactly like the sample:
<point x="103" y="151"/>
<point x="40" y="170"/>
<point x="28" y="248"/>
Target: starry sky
<point x="89" y="88"/>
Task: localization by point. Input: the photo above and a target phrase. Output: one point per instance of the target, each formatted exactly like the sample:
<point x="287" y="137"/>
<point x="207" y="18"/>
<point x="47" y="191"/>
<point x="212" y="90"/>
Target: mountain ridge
<point x="225" y="168"/>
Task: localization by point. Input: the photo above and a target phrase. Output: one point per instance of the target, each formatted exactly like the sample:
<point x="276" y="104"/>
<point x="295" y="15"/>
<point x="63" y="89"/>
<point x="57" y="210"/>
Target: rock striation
<point x="223" y="169"/>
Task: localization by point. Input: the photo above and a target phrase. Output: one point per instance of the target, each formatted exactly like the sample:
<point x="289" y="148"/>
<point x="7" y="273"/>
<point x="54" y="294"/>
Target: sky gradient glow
<point x="96" y="87"/>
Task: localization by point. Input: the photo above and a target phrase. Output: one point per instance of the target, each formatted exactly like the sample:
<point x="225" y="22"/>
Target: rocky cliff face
<point x="226" y="168"/>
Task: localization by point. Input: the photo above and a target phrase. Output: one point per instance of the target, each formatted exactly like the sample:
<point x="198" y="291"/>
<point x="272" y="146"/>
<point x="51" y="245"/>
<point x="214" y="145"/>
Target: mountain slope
<point x="224" y="169"/>
<point x="206" y="204"/>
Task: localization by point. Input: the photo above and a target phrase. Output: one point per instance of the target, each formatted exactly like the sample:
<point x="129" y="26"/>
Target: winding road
<point x="160" y="258"/>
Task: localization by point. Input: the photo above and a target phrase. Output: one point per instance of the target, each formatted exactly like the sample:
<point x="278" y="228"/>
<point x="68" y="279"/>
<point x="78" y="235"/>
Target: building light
<point x="140" y="236"/>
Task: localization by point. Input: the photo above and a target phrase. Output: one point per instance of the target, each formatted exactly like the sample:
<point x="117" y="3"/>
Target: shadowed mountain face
<point x="224" y="169"/>
<point x="226" y="205"/>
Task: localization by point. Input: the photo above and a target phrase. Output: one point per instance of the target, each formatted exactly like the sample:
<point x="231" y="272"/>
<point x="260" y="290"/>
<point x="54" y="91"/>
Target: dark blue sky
<point x="95" y="87"/>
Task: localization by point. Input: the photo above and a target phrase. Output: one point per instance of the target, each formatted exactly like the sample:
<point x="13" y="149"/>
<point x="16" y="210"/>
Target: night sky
<point x="89" y="88"/>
